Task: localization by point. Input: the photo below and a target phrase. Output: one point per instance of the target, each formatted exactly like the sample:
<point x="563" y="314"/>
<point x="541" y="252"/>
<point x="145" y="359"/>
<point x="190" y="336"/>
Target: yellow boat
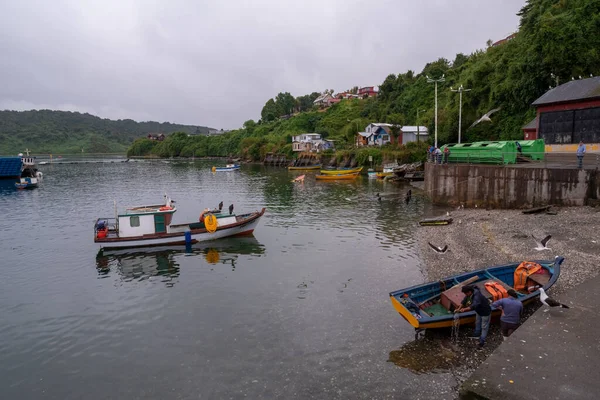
<point x="341" y="171"/>
<point x="381" y="175"/>
<point x="337" y="177"/>
<point x="304" y="168"/>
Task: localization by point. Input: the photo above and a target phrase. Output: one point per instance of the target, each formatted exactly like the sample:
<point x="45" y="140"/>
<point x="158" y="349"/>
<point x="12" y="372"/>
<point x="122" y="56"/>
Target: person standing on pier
<point x="483" y="312"/>
<point x="580" y="154"/>
<point x="511" y="313"/>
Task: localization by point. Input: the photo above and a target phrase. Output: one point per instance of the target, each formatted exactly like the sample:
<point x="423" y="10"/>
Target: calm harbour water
<point x="300" y="310"/>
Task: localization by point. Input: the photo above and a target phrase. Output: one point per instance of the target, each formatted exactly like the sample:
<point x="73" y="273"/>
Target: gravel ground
<point x="478" y="238"/>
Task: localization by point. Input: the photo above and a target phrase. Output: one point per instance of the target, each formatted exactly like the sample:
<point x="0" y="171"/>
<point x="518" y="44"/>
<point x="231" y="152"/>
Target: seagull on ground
<point x="549" y="301"/>
<point x="437" y="249"/>
<point x="486" y="117"/>
<point x="541" y="244"/>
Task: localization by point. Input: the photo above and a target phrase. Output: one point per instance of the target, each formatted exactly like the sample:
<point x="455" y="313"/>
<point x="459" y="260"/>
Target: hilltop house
<point x="375" y="134"/>
<point x="325" y="100"/>
<point x="378" y="134"/>
<point x="367" y="91"/>
<point x="310" y="142"/>
<point x="410" y="133"/>
<point x="156" y="136"/>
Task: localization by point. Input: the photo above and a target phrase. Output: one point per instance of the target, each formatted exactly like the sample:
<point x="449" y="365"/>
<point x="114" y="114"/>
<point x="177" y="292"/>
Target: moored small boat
<point x="299" y="178"/>
<point x="228" y="167"/>
<point x="432" y="305"/>
<point x="337" y="177"/>
<point x="151" y="226"/>
<point x="304" y="168"/>
<point x="341" y="171"/>
<point x="436" y="221"/>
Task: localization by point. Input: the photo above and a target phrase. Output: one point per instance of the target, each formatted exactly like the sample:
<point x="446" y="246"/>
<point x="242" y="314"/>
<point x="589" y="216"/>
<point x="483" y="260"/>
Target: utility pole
<point x="418" y="122"/>
<point x="460" y="91"/>
<point x="435" y="81"/>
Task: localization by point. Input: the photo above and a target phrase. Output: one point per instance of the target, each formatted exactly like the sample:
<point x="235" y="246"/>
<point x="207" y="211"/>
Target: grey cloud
<point x="215" y="63"/>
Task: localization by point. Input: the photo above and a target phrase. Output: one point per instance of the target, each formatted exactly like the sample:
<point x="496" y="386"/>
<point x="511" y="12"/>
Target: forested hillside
<point x="558" y="40"/>
<point x="46" y="131"/>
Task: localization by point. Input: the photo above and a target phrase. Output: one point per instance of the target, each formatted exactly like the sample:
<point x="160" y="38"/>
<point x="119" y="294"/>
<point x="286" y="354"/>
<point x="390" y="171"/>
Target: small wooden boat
<point x="228" y="167"/>
<point x="337" y="177"/>
<point x="341" y="171"/>
<point x="432" y="305"/>
<point x="151" y="226"/>
<point x="304" y="168"/>
<point x="435" y="221"/>
<point x="299" y="178"/>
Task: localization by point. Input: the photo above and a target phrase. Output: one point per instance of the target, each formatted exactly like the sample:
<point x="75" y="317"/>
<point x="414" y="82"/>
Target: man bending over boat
<point x="483" y="311"/>
<point x="511" y="313"/>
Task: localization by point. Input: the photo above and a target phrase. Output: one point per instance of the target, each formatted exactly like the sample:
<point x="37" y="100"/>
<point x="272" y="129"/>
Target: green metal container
<point x="482" y="152"/>
<point x="533" y="149"/>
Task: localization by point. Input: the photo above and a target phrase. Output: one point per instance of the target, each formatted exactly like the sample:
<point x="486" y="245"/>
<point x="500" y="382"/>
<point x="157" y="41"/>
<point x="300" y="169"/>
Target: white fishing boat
<point x="151" y="226"/>
<point x="30" y="176"/>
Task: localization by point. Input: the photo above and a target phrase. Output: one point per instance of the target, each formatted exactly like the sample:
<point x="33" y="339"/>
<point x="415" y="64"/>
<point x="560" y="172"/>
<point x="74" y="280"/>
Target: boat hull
<point x="243" y="227"/>
<point x="337" y="177"/>
<point x="225" y="169"/>
<point x="340" y="171"/>
<point x="415" y="297"/>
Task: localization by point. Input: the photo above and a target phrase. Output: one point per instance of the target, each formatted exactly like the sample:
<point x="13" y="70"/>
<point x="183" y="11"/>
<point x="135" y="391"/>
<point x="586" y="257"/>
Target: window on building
<point x="385" y="137"/>
<point x="134" y="221"/>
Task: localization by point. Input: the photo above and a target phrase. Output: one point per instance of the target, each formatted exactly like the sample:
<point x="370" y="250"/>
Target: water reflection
<point x="164" y="262"/>
<point x="426" y="355"/>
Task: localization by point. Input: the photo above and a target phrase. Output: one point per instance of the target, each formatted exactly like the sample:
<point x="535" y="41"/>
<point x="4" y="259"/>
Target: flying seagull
<point x="541" y="244"/>
<point x="549" y="301"/>
<point x="486" y="117"/>
<point x="438" y="249"/>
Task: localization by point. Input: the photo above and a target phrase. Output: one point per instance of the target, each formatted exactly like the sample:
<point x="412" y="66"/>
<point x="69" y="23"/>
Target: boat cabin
<point x="145" y="220"/>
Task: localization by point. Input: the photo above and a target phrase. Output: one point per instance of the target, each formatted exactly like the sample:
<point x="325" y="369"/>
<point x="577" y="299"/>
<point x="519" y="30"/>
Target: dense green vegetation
<point x="46" y="131"/>
<point x="556" y="38"/>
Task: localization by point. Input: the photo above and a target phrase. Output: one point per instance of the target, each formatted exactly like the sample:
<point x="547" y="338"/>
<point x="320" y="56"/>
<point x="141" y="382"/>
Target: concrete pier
<point x="555" y="354"/>
<point x="518" y="186"/>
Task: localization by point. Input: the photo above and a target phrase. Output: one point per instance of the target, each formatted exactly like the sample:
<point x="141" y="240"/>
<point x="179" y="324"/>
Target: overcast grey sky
<point x="216" y="62"/>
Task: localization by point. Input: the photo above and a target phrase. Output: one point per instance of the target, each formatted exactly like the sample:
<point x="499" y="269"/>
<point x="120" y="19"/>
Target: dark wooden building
<point x="568" y="114"/>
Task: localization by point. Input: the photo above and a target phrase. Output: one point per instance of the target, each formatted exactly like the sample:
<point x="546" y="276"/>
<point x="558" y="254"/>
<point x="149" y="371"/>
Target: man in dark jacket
<point x="483" y="312"/>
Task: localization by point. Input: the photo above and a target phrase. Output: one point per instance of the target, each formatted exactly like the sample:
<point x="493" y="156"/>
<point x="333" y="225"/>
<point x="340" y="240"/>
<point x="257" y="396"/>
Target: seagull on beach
<point x="437" y="249"/>
<point x="486" y="117"/>
<point x="541" y="244"/>
<point x="549" y="301"/>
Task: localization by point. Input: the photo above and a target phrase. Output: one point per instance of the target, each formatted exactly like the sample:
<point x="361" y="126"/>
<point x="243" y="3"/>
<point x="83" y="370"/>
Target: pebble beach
<point x="479" y="238"/>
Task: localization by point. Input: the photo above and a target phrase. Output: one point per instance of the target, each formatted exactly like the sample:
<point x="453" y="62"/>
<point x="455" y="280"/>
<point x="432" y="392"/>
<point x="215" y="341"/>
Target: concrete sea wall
<point x="510" y="186"/>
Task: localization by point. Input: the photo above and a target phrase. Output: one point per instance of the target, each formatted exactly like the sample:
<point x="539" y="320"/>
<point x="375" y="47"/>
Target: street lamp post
<point x="418" y="122"/>
<point x="460" y="91"/>
<point x="435" y="81"/>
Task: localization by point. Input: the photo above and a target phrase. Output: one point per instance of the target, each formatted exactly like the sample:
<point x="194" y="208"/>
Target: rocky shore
<point x="478" y="238"/>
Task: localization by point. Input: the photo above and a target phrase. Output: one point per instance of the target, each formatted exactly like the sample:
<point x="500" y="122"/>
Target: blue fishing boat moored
<point x="432" y="305"/>
<point x="229" y="167"/>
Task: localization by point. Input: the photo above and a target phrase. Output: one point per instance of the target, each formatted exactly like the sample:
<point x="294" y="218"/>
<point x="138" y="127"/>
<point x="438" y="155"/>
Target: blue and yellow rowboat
<point x="431" y="305"/>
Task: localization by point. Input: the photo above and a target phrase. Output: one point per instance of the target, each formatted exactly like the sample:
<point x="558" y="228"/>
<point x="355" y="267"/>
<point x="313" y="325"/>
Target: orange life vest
<point x="496" y="290"/>
<point x="523" y="271"/>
